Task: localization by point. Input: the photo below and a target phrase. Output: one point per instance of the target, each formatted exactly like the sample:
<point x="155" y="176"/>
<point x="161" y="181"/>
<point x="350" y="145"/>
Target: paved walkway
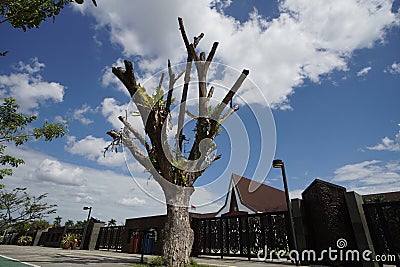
<point x="35" y="256"/>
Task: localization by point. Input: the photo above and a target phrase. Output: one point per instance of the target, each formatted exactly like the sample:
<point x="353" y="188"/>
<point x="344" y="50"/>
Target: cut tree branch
<point x="183" y="33"/>
<point x="228" y="113"/>
<point x="210" y="56"/>
<point x="170" y="86"/>
<point x="161" y="80"/>
<point x="235" y="87"/>
<point x="228" y="97"/>
<point x="202" y="66"/>
<point x="137" y="153"/>
<point x="138" y="136"/>
<point x="127" y="77"/>
<point x="210" y="92"/>
<point x="182" y="108"/>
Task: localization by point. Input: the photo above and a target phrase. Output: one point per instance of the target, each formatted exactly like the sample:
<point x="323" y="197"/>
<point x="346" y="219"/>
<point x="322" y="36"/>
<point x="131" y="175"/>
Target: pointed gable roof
<point x="264" y="199"/>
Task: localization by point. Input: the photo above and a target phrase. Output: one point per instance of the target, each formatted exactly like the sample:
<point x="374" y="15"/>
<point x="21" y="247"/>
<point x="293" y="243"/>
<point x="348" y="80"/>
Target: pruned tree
<point x="174" y="170"/>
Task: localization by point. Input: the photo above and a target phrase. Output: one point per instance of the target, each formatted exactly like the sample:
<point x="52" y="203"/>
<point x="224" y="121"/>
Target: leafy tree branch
<point x="18" y="207"/>
<point x="15" y="128"/>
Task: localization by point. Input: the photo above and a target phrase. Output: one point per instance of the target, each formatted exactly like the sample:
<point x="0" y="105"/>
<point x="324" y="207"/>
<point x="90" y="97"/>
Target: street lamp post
<point x="86" y="227"/>
<point x="90" y="211"/>
<point x="277" y="163"/>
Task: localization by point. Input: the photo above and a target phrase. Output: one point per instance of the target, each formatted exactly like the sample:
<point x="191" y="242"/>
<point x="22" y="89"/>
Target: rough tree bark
<point x="175" y="172"/>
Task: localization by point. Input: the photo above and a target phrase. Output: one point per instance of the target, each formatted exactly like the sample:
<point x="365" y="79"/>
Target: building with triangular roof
<point x="240" y="199"/>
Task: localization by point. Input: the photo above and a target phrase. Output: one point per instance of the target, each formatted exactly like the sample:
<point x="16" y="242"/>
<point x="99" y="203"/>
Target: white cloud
<point x="132" y="201"/>
<point x="206" y="201"/>
<point x="356" y="171"/>
<point x="221" y="4"/>
<point x="364" y="71"/>
<point x="31" y="69"/>
<point x="29" y="88"/>
<point x="388" y="144"/>
<point x="371" y="176"/>
<point x="55" y="172"/>
<point x="394" y="68"/>
<point x="295" y="193"/>
<point x="79" y="114"/>
<point x="111" y="110"/>
<point x="92" y="148"/>
<point x="59" y="119"/>
<point x="381" y="188"/>
<point x="343" y="26"/>
<point x="280" y="53"/>
<point x="83" y="198"/>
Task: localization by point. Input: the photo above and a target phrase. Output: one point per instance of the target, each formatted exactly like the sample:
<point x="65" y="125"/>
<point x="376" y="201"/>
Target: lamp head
<point x="277" y="163"/>
<point x="87" y="208"/>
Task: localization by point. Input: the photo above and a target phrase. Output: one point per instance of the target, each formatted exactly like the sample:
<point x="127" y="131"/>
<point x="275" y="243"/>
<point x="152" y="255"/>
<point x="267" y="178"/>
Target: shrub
<point x="193" y="262"/>
<point x="156" y="262"/>
<point x="24" y="240"/>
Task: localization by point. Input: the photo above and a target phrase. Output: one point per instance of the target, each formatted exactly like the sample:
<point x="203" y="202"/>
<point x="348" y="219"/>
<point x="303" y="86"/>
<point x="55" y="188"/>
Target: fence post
<point x="299" y="225"/>
<point x="328" y="221"/>
<point x="37" y="237"/>
<point x="94" y="235"/>
<point x="221" y="237"/>
<point x="361" y="232"/>
<point x="248" y="237"/>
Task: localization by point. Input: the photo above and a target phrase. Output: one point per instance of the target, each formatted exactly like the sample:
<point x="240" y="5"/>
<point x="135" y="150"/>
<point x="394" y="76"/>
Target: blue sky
<point x="330" y="72"/>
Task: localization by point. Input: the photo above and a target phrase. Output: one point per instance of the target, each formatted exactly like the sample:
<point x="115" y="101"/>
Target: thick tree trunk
<point x="178" y="235"/>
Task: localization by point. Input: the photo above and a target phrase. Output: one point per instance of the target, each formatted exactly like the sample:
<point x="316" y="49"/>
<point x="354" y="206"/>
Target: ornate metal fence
<point x="383" y="219"/>
<point x="242" y="236"/>
<point x="110" y="238"/>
